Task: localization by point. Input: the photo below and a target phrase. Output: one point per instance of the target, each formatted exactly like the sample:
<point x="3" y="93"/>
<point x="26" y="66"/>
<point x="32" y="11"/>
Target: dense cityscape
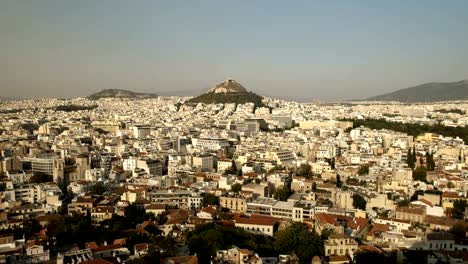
<point x="233" y="132"/>
<point x="168" y="180"/>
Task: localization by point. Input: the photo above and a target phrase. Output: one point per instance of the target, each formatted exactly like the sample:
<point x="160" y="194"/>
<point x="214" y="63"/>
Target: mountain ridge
<point x="119" y="93"/>
<point x="428" y="92"/>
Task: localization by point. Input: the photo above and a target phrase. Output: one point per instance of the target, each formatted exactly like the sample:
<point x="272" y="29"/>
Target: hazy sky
<point x="301" y="49"/>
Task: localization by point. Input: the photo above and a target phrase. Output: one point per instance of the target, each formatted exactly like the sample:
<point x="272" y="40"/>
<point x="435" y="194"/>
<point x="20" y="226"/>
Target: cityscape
<point x="225" y="172"/>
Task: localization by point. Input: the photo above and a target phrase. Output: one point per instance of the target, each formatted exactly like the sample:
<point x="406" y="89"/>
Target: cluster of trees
<point x="208" y="238"/>
<point x="430" y="164"/>
<point x="459" y="209"/>
<point x="74" y="108"/>
<point x="459" y="231"/>
<point x="305" y="170"/>
<point x="79" y="229"/>
<point x="39" y="177"/>
<point x="30" y="127"/>
<point x="233" y="170"/>
<point x="229" y="98"/>
<point x="236" y="187"/>
<point x="359" y="202"/>
<point x="363" y="169"/>
<point x="209" y="199"/>
<point x="411" y="158"/>
<point x="296" y="239"/>
<point x="10" y="111"/>
<point x="453" y="111"/>
<point x="98" y="188"/>
<point x="420" y="174"/>
<point x="282" y="193"/>
<point x="412" y="129"/>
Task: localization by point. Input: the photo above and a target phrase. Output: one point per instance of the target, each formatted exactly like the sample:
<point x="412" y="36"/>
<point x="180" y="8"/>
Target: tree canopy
<point x="207" y="238"/>
<point x="297" y="239"/>
<point x="359" y="202"/>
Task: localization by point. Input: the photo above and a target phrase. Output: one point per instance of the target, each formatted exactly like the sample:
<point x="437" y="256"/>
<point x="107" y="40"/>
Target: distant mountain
<point x="227" y="92"/>
<point x="429" y="92"/>
<point x="3" y="98"/>
<point x="116" y="93"/>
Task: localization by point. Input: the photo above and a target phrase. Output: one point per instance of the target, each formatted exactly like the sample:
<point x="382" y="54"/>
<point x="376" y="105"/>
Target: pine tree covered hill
<point x="228" y="92"/>
<point x="228" y="98"/>
<point x="116" y="93"/>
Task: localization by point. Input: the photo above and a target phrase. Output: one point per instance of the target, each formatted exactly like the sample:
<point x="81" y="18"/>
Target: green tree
<point x="339" y="183"/>
<point x="305" y="170"/>
<point x="405" y="202"/>
<point x="369" y="257"/>
<point x="209" y="199"/>
<point x="458" y="231"/>
<point x="430" y="164"/>
<point x="236" y="187"/>
<point x="98" y="188"/>
<point x="363" y="169"/>
<point x="420" y="174"/>
<point x="206" y="239"/>
<point x="359" y="202"/>
<point x="31" y="226"/>
<point x="326" y="233"/>
<point x="39" y="177"/>
<point x="459" y="207"/>
<point x="282" y="194"/>
<point x="134" y="215"/>
<point x="297" y="239"/>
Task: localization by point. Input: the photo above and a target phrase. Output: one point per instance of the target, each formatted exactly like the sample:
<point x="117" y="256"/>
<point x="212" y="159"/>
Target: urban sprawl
<point x="163" y="181"/>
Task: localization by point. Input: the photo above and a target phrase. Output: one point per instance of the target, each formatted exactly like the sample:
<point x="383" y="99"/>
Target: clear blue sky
<point x="300" y="49"/>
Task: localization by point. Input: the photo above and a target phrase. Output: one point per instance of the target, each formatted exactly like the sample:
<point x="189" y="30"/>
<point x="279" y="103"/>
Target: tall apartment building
<point x="141" y="131"/>
<point x="203" y="163"/>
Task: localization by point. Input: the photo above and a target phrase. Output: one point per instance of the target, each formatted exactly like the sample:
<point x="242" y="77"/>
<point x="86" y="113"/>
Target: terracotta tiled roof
<point x="450" y="195"/>
<point x="120" y="241"/>
<point x="180" y="260"/>
<point x="369" y="248"/>
<point x="422" y="200"/>
<point x="91" y="245"/>
<point x="378" y="228"/>
<point x="141" y="247"/>
<point x="96" y="261"/>
<point x="256" y="220"/>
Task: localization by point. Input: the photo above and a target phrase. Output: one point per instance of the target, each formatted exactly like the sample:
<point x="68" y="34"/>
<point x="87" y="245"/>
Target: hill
<point x="227" y="92"/>
<point x="429" y="92"/>
<point x="116" y="93"/>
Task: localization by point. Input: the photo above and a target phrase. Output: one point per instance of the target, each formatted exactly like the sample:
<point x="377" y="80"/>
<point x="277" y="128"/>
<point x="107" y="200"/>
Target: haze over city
<point x="329" y="50"/>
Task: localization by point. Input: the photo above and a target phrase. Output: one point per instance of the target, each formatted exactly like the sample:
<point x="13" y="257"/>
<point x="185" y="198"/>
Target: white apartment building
<point x="210" y="143"/>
